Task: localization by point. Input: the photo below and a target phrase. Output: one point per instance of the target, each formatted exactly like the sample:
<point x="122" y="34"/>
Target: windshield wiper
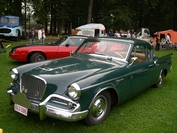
<point x="109" y="57"/>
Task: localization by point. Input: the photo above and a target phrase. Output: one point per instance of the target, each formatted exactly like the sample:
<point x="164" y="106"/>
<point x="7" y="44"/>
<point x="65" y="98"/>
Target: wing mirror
<point x="67" y="45"/>
<point x="71" y="52"/>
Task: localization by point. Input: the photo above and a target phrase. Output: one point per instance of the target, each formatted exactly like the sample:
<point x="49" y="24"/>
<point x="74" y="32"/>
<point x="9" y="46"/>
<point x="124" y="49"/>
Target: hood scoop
<point x="47" y="68"/>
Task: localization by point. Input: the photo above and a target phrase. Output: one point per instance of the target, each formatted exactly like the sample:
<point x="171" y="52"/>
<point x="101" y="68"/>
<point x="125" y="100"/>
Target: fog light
<point x="70" y="105"/>
<point x="14" y="74"/>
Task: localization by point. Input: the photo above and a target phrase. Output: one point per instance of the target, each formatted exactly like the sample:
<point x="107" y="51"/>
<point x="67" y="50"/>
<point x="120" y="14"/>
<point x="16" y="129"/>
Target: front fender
<point x="90" y="93"/>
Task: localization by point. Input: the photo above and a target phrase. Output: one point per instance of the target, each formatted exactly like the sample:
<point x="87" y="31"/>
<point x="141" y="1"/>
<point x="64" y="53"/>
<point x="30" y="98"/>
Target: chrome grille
<point x="59" y="100"/>
<point x="33" y="86"/>
<point x="5" y="30"/>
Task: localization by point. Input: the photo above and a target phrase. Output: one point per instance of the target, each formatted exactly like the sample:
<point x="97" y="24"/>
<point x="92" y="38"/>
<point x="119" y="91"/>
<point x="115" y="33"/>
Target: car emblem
<point x="24" y="90"/>
<point x="36" y="94"/>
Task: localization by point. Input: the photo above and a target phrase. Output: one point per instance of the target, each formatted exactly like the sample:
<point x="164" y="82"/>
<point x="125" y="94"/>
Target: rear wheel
<point x="99" y="109"/>
<point x="160" y="80"/>
<point x="36" y="57"/>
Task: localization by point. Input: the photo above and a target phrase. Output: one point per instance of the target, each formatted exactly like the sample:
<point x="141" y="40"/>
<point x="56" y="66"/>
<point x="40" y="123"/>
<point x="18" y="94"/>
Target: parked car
<point x="102" y="72"/>
<point x="34" y="53"/>
<point x="10" y="27"/>
<point x="145" y="38"/>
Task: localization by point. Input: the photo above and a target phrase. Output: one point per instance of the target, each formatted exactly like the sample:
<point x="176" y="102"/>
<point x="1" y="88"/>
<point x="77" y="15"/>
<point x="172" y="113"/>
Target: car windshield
<point x="60" y="41"/>
<point x="115" y="49"/>
<point x="70" y="41"/>
<point x="6" y="20"/>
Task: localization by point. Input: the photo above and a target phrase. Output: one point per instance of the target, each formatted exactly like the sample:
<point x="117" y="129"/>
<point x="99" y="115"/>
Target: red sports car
<point x="34" y="53"/>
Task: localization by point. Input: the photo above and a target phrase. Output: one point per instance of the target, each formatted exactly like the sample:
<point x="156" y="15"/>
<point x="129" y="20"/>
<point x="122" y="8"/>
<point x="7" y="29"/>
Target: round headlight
<point x="74" y="91"/>
<point x="14" y="74"/>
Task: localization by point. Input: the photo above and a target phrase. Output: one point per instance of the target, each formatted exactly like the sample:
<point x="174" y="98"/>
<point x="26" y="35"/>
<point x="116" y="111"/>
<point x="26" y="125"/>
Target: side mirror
<point x="67" y="45"/>
<point x="71" y="52"/>
<point x="133" y="59"/>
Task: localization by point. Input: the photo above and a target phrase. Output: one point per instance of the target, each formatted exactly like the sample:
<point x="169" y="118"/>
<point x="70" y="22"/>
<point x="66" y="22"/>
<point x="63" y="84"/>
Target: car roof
<point x="121" y="39"/>
<point x="75" y="36"/>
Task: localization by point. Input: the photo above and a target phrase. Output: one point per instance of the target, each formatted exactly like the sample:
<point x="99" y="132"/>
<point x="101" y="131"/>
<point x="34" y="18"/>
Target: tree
<point x="5" y="8"/>
<point x="62" y="15"/>
<point x="90" y="11"/>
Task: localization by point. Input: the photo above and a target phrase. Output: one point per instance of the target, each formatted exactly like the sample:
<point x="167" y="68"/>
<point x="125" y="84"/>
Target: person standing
<point x="117" y="34"/>
<point x="157" y="42"/>
<point x="41" y="35"/>
<point x="168" y="41"/>
<point x="32" y="35"/>
<point x="111" y="34"/>
<point x="134" y="35"/>
<point x="128" y="34"/>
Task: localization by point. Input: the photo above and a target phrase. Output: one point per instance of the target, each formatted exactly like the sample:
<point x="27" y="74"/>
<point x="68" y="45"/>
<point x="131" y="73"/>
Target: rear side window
<point x="139" y="52"/>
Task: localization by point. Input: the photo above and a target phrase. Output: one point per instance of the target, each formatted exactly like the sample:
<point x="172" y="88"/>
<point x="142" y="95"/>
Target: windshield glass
<point x="70" y="41"/>
<point x="6" y="20"/>
<point x="61" y="40"/>
<point x="106" y="48"/>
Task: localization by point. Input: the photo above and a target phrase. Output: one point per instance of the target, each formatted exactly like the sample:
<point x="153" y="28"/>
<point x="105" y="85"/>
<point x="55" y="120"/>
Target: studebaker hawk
<point x="102" y="72"/>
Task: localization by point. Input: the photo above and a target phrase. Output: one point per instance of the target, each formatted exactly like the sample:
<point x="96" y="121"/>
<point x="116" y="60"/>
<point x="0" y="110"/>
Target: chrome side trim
<point x="120" y="79"/>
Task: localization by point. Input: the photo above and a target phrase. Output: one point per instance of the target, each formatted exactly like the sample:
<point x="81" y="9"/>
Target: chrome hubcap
<point x="39" y="58"/>
<point x="160" y="79"/>
<point x="99" y="108"/>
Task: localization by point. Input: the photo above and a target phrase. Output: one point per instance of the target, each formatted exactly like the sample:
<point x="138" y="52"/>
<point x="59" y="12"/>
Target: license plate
<point x="21" y="109"/>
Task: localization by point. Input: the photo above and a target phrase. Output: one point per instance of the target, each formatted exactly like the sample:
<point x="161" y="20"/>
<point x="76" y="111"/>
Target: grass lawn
<point x="153" y="111"/>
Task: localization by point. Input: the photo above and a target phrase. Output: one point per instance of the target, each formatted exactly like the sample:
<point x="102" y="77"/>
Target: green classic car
<point x="102" y="72"/>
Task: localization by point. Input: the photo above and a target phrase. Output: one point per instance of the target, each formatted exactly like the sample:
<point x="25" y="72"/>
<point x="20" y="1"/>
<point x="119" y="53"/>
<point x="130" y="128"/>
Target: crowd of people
<point x="163" y="43"/>
<point x="128" y="34"/>
<point x="160" y="43"/>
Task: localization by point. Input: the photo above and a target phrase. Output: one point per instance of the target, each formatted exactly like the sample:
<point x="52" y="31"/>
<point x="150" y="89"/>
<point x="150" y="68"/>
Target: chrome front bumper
<point x="45" y="108"/>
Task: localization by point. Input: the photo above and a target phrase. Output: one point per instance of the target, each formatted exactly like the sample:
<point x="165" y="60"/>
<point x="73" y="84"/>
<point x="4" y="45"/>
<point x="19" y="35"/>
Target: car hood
<point x="60" y="73"/>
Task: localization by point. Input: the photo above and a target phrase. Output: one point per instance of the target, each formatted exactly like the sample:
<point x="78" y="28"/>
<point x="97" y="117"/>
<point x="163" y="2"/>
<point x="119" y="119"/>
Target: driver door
<point x="141" y="70"/>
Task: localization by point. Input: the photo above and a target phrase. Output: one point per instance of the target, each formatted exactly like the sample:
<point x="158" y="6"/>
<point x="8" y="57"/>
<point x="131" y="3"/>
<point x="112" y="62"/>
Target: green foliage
<point x="5" y="7"/>
<point x="63" y="15"/>
<point x="153" y="111"/>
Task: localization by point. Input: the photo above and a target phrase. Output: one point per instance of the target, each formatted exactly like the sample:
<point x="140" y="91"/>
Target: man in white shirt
<point x="41" y="35"/>
<point x="168" y="39"/>
<point x="128" y="34"/>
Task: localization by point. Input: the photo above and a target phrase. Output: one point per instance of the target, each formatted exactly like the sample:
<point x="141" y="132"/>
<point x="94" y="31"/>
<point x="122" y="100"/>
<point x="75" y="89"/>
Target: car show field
<point x="151" y="111"/>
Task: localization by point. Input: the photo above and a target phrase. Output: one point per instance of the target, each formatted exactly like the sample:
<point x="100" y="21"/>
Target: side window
<point x="78" y="41"/>
<point x="148" y="54"/>
<point x="75" y="41"/>
<point x="69" y="42"/>
<point x="139" y="52"/>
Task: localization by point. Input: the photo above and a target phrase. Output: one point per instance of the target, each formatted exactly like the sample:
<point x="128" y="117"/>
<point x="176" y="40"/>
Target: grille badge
<point x="36" y="94"/>
<point x="24" y="90"/>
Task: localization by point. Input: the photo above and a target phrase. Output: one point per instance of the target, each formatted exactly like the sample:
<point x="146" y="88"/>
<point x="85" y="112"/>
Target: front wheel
<point x="99" y="109"/>
<point x="160" y="80"/>
<point x="36" y="57"/>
